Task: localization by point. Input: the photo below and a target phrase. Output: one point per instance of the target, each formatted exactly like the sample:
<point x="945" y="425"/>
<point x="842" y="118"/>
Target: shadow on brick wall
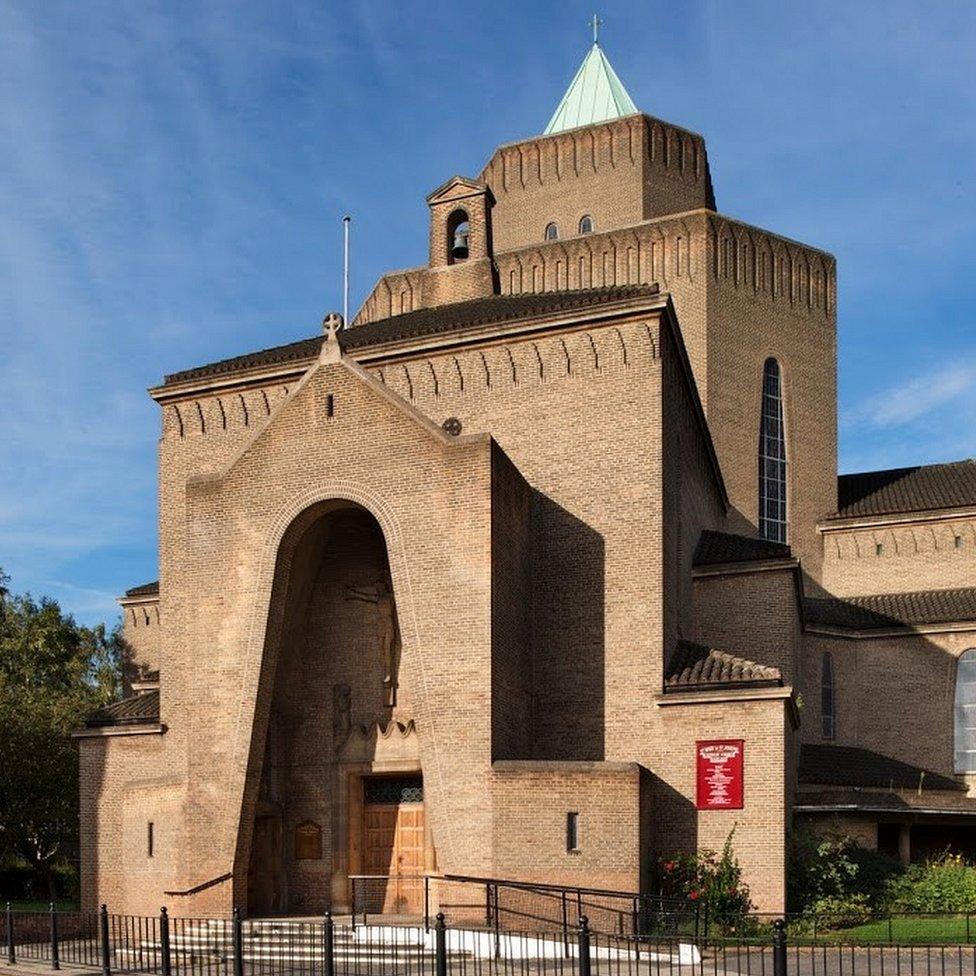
<point x="568" y="642"/>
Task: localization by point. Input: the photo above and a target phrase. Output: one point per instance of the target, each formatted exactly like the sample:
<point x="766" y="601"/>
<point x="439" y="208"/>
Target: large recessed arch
<point x="283" y="563"/>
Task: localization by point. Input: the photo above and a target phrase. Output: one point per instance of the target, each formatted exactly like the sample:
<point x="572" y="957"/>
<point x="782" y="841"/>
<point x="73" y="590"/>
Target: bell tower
<point x="460" y="240"/>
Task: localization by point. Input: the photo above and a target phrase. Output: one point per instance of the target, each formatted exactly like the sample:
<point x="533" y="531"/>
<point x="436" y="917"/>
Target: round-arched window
<point x="772" y="456"/>
<point x="586" y="224"/>
<point x="552" y="232"/>
<point x="965" y="713"/>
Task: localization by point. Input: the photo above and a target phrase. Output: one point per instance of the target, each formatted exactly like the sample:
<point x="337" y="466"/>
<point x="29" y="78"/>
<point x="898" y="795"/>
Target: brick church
<point x="539" y="568"/>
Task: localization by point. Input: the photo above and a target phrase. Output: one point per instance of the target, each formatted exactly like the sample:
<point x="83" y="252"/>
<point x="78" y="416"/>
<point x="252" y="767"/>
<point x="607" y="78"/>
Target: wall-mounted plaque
<point x="720" y="774"/>
<point x="308" y="841"/>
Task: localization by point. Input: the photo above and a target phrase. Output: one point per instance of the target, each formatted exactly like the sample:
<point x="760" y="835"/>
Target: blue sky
<point x="172" y="178"/>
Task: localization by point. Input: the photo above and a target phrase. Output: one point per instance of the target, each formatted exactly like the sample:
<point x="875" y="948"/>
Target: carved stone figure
<point x="341" y="712"/>
<point x="380" y="593"/>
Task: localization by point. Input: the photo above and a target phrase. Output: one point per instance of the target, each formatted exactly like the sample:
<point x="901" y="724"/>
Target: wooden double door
<point x="394" y="845"/>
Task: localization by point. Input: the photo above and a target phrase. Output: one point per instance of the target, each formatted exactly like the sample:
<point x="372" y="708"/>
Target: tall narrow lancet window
<point x="965" y="713"/>
<point x="772" y="457"/>
<point x="828" y="702"/>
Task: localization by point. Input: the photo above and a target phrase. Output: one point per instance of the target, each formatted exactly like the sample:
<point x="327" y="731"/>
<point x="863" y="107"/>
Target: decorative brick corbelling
<point x="791" y="273"/>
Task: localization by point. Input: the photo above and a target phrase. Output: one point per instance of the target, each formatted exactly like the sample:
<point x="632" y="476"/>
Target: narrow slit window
<point x="772" y="457"/>
<point x="572" y="831"/>
<point x="151" y="839"/>
<point x="330" y="404"/>
<point x="828" y="704"/>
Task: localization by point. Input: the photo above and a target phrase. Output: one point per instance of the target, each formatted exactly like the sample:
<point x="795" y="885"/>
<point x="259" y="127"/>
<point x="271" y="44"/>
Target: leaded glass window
<point x="394" y="789"/>
<point x="965" y="717"/>
<point x="828" y="705"/>
<point x="772" y="457"/>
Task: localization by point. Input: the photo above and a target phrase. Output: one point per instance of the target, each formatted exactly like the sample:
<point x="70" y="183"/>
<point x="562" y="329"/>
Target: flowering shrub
<point x="710" y="880"/>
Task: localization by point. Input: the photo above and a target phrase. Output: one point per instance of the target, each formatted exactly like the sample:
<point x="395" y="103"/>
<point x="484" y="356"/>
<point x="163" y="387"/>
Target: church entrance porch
<point x="333" y="738"/>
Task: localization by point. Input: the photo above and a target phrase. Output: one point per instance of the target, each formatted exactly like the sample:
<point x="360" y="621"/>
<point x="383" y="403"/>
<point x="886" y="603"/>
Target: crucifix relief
<point x="380" y="594"/>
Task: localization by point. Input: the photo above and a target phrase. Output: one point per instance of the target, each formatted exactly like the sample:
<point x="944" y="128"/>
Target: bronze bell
<point x="459" y="249"/>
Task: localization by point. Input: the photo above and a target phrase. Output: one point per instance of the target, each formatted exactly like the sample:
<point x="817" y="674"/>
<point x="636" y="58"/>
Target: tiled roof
<point x="892" y="609"/>
<point x="723" y="547"/>
<point x="929" y="486"/>
<point x="423" y="322"/>
<point x="138" y="710"/>
<point x="888" y="801"/>
<point x="144" y="589"/>
<point x="694" y="666"/>
<point x="830" y="765"/>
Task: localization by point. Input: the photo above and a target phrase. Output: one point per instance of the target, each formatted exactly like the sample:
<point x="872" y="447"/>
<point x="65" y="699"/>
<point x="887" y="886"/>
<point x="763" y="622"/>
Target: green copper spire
<point x="596" y="94"/>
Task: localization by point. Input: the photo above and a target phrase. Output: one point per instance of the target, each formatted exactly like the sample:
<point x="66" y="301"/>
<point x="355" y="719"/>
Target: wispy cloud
<point x="916" y="397"/>
<point x="173" y="176"/>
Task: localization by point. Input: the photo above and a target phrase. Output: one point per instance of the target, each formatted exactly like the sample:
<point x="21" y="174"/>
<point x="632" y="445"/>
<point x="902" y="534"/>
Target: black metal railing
<point x="515" y="905"/>
<point x="404" y="896"/>
<point x="164" y="946"/>
<point x="874" y="927"/>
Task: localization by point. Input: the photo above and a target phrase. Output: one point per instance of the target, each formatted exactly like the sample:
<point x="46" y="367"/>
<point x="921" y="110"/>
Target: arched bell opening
<point x="458" y="237"/>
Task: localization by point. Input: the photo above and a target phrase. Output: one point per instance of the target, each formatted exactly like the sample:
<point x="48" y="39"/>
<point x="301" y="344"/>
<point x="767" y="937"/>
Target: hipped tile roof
<point x="144" y="589"/>
<point x="890" y="801"/>
<point x="695" y="666"/>
<point x="892" y="609"/>
<point x="138" y="710"/>
<point x="723" y="547"/>
<point x="921" y="488"/>
<point x="424" y="322"/>
<point x="830" y="765"/>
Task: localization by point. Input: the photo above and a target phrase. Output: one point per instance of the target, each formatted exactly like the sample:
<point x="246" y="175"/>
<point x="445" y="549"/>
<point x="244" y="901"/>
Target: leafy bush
<point x="841" y="913"/>
<point x="710" y="880"/>
<point x="831" y="870"/>
<point x="947" y="884"/>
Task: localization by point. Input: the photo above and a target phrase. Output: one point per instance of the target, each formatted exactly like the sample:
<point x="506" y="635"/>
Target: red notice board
<point x="719" y="774"/>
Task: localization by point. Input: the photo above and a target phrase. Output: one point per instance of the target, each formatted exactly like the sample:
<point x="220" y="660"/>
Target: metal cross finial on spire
<point x="596" y="22"/>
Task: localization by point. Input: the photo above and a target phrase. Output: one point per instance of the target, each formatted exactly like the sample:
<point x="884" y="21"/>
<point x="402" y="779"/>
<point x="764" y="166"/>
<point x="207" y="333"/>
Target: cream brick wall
<point x="751" y="613"/>
<point x="532" y="801"/>
<point x="143" y="635"/>
<point x="888" y="556"/>
<point x="619" y="173"/>
<point x="559" y="406"/>
<point x="761" y="826"/>
<point x="894" y="695"/>
<point x="541" y="562"/>
<point x="742" y="295"/>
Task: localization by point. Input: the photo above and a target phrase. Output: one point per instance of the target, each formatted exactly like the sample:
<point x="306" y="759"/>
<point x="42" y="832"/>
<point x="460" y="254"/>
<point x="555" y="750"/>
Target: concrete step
<point x="348" y="953"/>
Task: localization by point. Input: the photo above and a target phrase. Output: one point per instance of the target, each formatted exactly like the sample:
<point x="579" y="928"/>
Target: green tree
<point x="53" y="674"/>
